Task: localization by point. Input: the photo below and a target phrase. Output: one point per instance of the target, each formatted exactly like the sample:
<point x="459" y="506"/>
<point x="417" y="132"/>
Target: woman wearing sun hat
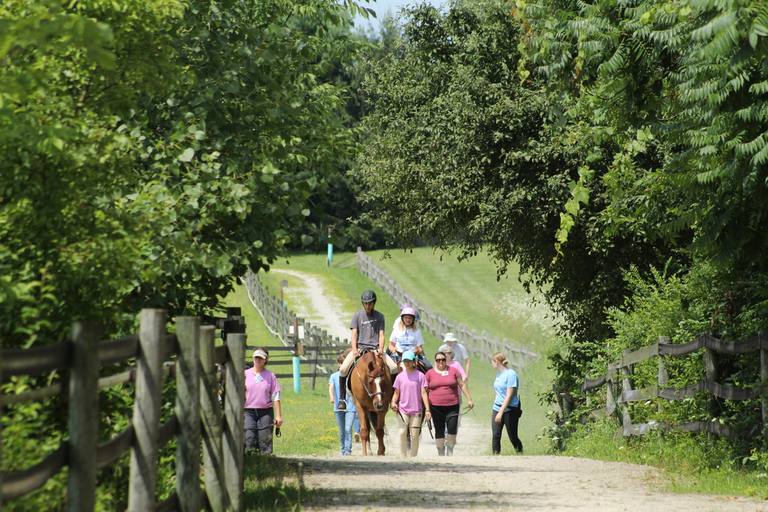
<point x="262" y="404"/>
<point x="460" y="352"/>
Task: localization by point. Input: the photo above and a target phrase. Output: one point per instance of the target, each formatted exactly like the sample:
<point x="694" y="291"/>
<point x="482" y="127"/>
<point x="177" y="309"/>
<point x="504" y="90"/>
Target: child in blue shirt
<point x="345" y="419"/>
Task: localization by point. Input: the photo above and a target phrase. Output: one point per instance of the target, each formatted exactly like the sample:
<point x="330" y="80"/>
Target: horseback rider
<point x="367" y="328"/>
<point x="407" y="336"/>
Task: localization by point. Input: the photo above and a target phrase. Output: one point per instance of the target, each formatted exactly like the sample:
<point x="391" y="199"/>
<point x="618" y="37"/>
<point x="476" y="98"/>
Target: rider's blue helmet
<point x="409" y="355"/>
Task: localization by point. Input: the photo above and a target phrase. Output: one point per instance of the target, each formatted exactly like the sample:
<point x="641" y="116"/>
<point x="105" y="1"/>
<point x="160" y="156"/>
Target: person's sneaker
<point x="342" y="405"/>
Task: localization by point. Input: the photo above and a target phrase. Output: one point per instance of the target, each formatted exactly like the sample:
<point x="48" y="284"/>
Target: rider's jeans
<point x="346" y="421"/>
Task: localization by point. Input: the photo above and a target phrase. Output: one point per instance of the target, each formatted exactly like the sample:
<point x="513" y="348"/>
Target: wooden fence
<point x="314" y="345"/>
<point x="198" y="423"/>
<point x="480" y="345"/>
<point x="621" y="372"/>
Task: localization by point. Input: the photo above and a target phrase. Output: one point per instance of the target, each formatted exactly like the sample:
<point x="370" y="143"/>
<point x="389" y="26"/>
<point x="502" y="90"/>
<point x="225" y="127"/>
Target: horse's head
<point x="378" y="379"/>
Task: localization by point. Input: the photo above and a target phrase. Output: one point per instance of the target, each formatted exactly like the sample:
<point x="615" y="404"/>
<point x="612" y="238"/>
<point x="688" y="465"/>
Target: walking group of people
<point x="423" y="392"/>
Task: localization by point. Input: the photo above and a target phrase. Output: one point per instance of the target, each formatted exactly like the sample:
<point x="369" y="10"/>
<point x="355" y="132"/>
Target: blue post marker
<point x="330" y="254"/>
<point x="296" y="374"/>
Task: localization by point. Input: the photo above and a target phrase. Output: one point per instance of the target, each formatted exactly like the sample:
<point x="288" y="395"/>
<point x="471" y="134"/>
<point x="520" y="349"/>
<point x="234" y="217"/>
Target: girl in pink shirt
<point x="262" y="404"/>
<point x="443" y="384"/>
<point x="409" y="400"/>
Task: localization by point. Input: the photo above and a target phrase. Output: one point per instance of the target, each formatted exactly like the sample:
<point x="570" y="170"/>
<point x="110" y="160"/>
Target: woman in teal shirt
<point x="506" y="406"/>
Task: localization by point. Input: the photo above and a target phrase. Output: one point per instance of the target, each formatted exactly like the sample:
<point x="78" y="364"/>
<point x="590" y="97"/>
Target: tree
<point x="460" y="153"/>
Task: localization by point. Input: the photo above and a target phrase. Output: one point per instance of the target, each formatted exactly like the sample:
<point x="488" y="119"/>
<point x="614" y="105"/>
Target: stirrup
<point x="342" y="405"/>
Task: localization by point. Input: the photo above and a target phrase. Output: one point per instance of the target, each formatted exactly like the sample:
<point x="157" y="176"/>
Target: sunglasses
<point x="439" y="359"/>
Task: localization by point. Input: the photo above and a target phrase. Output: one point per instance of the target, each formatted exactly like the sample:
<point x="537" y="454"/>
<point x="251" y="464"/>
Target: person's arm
<point x="381" y="338"/>
<point x="278" y="413"/>
<point x="395" y="399"/>
<point x="419" y="343"/>
<point x="468" y="362"/>
<point x="331" y="393"/>
<point x="510" y="395"/>
<point x="465" y="389"/>
<point x="353" y="339"/>
<point x="425" y="399"/>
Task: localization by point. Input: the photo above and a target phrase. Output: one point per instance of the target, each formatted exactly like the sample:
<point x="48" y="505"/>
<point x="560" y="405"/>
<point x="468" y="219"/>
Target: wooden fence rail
<point x="480" y="345"/>
<point x="315" y="345"/>
<point x="620" y="374"/>
<point x="189" y="356"/>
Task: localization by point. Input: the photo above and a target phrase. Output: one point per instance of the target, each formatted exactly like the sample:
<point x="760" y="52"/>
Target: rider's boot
<point x="440" y="446"/>
<point x="450" y="442"/>
<point x="342" y="393"/>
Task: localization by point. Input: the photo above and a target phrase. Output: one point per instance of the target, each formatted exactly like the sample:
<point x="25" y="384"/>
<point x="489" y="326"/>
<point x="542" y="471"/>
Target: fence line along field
<point x="204" y="425"/>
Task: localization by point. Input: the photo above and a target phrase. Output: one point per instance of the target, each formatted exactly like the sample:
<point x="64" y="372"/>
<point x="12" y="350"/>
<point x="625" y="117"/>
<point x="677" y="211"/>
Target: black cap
<point x="368" y="296"/>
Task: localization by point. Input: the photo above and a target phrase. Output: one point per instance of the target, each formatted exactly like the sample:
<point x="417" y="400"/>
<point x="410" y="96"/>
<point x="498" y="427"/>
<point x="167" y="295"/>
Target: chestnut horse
<point x="371" y="385"/>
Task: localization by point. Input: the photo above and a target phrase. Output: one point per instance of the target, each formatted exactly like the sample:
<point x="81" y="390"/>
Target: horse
<point x="371" y="386"/>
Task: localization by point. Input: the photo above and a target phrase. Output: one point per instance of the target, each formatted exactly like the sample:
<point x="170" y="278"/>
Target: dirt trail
<point x="546" y="483"/>
<point x="470" y="480"/>
<point x="311" y="302"/>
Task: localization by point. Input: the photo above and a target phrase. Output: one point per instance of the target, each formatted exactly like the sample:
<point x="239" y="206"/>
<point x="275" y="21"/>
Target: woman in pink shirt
<point x="262" y="404"/>
<point x="443" y="384"/>
<point x="409" y="400"/>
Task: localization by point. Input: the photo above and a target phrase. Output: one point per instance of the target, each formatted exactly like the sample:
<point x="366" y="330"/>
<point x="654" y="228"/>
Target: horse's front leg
<point x="380" y="431"/>
<point x="364" y="432"/>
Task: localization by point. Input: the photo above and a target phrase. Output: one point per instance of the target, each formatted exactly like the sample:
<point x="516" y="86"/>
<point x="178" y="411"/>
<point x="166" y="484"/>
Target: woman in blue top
<point x="506" y="407"/>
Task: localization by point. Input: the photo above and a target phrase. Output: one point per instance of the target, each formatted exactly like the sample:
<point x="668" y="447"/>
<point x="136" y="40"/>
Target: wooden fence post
<point x="710" y="367"/>
<point x="234" y="398"/>
<point x="211" y="417"/>
<point x="764" y="378"/>
<point x="188" y="413"/>
<point x="626" y="385"/>
<point x="83" y="422"/>
<point x="146" y="410"/>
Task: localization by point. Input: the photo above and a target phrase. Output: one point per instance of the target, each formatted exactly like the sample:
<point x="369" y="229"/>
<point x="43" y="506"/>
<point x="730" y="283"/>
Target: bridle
<point x="365" y="385"/>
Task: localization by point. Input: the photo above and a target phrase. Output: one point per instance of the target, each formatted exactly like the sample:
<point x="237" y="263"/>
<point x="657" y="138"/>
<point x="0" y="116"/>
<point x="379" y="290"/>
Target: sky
<point x="383" y="6"/>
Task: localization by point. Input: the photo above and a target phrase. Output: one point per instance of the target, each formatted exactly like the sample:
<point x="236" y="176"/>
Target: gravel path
<point x="473" y="481"/>
<point x="311" y="302"/>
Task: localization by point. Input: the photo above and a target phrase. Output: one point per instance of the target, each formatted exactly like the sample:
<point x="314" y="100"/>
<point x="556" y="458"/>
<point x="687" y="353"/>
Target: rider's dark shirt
<point x="368" y="328"/>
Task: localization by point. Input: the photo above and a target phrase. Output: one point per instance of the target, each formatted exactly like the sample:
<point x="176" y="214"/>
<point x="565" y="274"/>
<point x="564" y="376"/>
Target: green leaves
<point x="579" y="196"/>
<point x="187" y="155"/>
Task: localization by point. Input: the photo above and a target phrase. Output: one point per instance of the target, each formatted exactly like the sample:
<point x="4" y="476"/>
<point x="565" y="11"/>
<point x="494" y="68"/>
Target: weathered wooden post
<point x="710" y="368"/>
<point x="146" y="410"/>
<point x="83" y="421"/>
<point x="662" y="379"/>
<point x="188" y="413"/>
<point x="626" y="387"/>
<point x="211" y="420"/>
<point x="764" y="378"/>
<point x="234" y="401"/>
